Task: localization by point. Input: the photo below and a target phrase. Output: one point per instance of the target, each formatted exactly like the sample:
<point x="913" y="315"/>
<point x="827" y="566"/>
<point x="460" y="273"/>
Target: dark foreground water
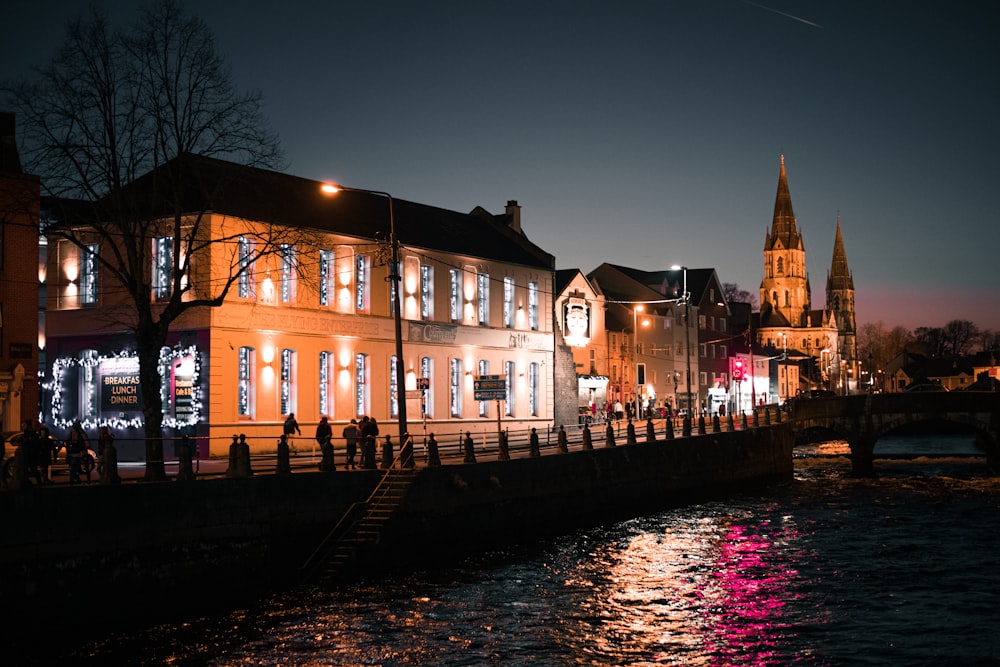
<point x="827" y="570"/>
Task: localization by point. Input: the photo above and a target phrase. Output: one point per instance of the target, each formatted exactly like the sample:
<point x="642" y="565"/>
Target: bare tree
<point x="113" y="106"/>
<point x="736" y="295"/>
<point x="960" y="337"/>
<point x="881" y="343"/>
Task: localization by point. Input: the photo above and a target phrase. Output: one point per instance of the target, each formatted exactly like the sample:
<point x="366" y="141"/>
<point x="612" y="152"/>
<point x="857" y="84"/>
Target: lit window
<point x="484" y="369"/>
<point x="533" y="389"/>
<point x="455" y="293"/>
<point x="88" y="274"/>
<point x="163" y="251"/>
<point x="483" y="285"/>
<point x="509" y="368"/>
<point x="245" y="385"/>
<point x="533" y="305"/>
<point x="287" y="382"/>
<point x="244" y="282"/>
<point x="287" y="273"/>
<point x="326" y="360"/>
<point x="508" y="302"/>
<point x="361" y="384"/>
<point x="456" y="387"/>
<point x="427" y="291"/>
<point x="427" y="372"/>
<point x="393" y="388"/>
<point x="326" y="285"/>
<point x="362" y="278"/>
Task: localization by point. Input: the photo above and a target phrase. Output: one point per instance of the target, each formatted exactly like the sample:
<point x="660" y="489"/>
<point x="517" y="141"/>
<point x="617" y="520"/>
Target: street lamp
<point x="406" y="445"/>
<point x="686" y="298"/>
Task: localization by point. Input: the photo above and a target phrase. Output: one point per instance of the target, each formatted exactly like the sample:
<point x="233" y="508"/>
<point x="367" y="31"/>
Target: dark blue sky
<point x="648" y="133"/>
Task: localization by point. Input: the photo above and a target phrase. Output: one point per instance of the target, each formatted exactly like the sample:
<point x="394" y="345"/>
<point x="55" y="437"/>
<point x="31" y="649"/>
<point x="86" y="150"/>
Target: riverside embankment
<point x="137" y="553"/>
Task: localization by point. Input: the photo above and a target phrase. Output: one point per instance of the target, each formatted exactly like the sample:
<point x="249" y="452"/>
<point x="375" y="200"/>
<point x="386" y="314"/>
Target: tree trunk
<point x="149" y="340"/>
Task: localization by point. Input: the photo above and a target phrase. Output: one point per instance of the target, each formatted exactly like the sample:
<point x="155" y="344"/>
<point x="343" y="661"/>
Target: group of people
<point x="40" y="450"/>
<point x="355" y="434"/>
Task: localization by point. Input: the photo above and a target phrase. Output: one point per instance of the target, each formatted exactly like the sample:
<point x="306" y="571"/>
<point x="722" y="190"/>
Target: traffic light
<point x="738" y="372"/>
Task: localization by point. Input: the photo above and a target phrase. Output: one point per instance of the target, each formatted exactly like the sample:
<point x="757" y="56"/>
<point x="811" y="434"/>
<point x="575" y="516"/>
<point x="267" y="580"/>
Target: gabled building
<point x="654" y="334"/>
<point x="787" y="318"/>
<point x="581" y="327"/>
<point x="19" y="284"/>
<point x="309" y="330"/>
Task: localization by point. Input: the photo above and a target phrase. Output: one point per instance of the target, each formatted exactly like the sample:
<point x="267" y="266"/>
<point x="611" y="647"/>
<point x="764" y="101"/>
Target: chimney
<point x="9" y="161"/>
<point x="514" y="214"/>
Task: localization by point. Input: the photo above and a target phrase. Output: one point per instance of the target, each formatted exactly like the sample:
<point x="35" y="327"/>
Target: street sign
<point x="490" y="387"/>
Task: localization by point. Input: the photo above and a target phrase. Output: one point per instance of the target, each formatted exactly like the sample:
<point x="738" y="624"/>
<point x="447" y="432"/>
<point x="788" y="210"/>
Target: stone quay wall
<point x="142" y="552"/>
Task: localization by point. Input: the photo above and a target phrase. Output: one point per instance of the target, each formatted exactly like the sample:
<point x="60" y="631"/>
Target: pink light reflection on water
<point x="750" y="585"/>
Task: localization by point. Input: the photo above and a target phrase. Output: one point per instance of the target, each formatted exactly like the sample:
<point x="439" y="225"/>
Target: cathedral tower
<point x="784" y="290"/>
<point x="840" y="298"/>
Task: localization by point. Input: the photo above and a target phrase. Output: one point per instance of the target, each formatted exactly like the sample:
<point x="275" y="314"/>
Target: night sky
<point x="647" y="133"/>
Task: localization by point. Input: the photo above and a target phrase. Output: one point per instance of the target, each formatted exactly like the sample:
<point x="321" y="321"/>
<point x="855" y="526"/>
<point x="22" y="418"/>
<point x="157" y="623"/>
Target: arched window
<point x="781" y="266"/>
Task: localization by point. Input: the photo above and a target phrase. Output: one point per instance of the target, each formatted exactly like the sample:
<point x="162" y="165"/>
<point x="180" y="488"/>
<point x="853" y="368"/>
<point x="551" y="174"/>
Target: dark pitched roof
<point x="840" y="277"/>
<point x="564" y="277"/>
<point x="196" y="183"/>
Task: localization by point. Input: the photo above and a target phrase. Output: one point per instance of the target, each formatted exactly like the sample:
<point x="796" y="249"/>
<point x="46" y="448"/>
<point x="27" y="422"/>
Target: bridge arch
<point x="863" y="419"/>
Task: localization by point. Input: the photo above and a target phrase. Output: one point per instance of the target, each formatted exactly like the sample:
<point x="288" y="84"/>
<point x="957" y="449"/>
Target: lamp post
<point x="687" y="343"/>
<point x="635" y="347"/>
<point x="405" y="444"/>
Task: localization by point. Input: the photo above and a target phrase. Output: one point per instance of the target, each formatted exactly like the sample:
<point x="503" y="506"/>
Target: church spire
<point x="783" y="226"/>
<point x="840" y="275"/>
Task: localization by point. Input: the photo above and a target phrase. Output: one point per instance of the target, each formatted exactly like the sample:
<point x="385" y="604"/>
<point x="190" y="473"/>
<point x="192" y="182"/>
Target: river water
<point x="903" y="569"/>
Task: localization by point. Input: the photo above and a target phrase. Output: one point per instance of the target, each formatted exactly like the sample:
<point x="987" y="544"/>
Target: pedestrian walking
<point x="290" y="429"/>
<point x="561" y="440"/>
<point x="48" y="448"/>
<point x="32" y="451"/>
<point x="470" y="452"/>
<point x="350" y="434"/>
<point x="77" y="445"/>
<point x="534" y="450"/>
<point x="324" y="433"/>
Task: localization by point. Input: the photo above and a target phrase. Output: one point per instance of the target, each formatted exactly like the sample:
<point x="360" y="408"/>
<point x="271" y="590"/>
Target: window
<point x="703" y="350"/>
<point x="427" y="291"/>
<point x="701" y="322"/>
<point x="456" y="387"/>
<point x="724" y="351"/>
<point x="703" y="378"/>
<point x="245" y="280"/>
<point x="455" y="293"/>
<point x="640" y="374"/>
<point x="483" y="288"/>
<point x="361" y="384"/>
<point x="533" y="305"/>
<point x="510" y="368"/>
<point x="427" y="371"/>
<point x="393" y="388"/>
<point x="88" y="274"/>
<point x="287" y="273"/>
<point x="245" y="385"/>
<point x="326" y="368"/>
<point x="395" y="275"/>
<point x="533" y="389"/>
<point x="326" y="284"/>
<point x="722" y="324"/>
<point x="484" y="369"/>
<point x="362" y="278"/>
<point x="287" y="388"/>
<point x="508" y="302"/>
<point x="163" y="251"/>
<point x="781" y="266"/>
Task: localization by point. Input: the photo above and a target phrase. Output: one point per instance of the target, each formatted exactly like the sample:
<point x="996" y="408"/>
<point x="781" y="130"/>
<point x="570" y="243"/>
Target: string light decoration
<point x="89" y="361"/>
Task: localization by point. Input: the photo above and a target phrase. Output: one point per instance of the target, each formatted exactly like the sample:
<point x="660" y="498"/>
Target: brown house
<point x="19" y="280"/>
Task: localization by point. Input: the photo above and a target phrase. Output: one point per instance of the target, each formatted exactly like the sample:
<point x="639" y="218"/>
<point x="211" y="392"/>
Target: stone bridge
<point x="862" y="419"/>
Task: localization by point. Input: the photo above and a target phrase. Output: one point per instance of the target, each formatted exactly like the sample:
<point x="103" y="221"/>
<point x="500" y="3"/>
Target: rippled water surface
<point x="827" y="570"/>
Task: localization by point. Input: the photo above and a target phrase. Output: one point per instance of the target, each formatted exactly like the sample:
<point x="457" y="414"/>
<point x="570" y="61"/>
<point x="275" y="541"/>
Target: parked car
<point x="924" y="386"/>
